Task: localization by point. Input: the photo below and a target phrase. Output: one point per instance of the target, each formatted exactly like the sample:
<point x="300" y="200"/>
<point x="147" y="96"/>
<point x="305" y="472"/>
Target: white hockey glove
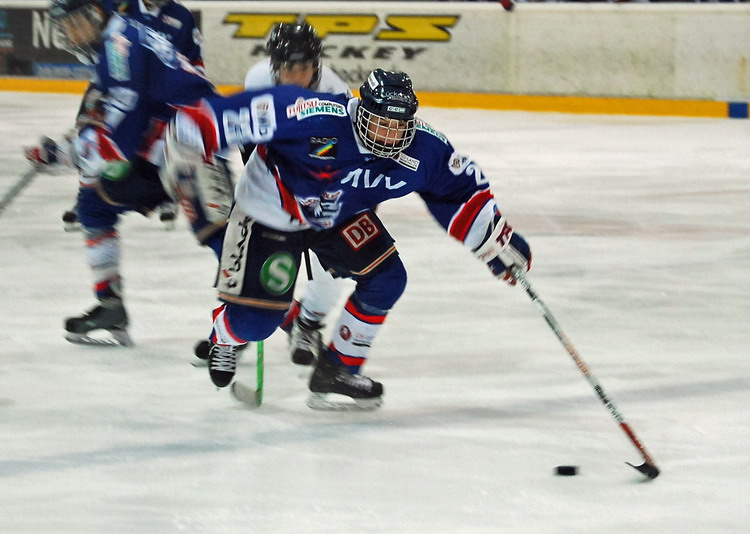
<point x="204" y="189"/>
<point x="503" y="248"/>
<point x="183" y="153"/>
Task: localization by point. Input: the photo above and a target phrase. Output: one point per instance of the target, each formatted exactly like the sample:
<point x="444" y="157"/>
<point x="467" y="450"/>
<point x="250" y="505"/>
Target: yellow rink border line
<point x="504" y="102"/>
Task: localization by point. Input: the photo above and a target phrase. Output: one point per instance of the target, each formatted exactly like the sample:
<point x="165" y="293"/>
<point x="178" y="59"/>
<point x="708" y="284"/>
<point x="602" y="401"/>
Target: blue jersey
<point x="141" y="78"/>
<point x="312" y="167"/>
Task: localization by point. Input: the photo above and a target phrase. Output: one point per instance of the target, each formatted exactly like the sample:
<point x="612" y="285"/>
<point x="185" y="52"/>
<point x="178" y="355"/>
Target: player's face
<point x="299" y="74"/>
<point x="79" y="30"/>
<point x="386" y="131"/>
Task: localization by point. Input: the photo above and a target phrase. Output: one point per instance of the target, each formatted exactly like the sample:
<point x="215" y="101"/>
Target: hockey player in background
<point x="139" y="77"/>
<point x="294" y="52"/>
<point x="323" y="161"/>
<point x="174" y="22"/>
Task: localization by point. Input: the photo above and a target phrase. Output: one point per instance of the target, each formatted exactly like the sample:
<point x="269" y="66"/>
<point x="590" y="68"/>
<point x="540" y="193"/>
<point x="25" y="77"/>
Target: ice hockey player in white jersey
<point x="323" y="162"/>
<point x="295" y="52"/>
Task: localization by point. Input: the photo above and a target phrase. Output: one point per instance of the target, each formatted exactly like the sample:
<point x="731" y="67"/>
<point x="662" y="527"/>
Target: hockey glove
<point x="203" y="188"/>
<point x="134" y="184"/>
<point x="503" y="248"/>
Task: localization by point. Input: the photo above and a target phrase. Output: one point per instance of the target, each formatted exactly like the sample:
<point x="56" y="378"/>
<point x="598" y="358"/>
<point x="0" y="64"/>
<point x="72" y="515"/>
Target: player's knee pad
<point x="253" y="324"/>
<point x="102" y="253"/>
<point x="384" y="287"/>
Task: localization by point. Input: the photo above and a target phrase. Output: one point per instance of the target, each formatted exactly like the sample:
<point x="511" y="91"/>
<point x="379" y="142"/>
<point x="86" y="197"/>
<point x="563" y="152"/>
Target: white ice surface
<point x="640" y="230"/>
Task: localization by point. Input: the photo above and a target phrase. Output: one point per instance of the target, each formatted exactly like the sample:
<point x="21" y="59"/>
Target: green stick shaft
<point x="259" y="374"/>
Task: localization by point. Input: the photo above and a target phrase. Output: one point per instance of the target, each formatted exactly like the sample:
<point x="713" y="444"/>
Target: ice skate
<point x="168" y="215"/>
<point x="109" y="316"/>
<point x="222" y="364"/>
<point x="331" y="383"/>
<point x="305" y="341"/>
<point x="70" y="221"/>
<point x="202" y="352"/>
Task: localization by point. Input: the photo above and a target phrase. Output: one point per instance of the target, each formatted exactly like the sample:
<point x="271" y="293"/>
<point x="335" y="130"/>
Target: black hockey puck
<point x="566" y="470"/>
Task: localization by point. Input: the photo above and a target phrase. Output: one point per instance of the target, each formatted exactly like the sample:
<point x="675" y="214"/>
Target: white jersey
<point x="259" y="77"/>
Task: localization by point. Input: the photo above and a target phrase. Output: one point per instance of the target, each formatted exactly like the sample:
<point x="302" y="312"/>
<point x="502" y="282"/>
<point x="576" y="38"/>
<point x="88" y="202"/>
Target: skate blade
<point x="329" y="402"/>
<point x="304" y="372"/>
<point x="119" y="338"/>
<point x="247" y="395"/>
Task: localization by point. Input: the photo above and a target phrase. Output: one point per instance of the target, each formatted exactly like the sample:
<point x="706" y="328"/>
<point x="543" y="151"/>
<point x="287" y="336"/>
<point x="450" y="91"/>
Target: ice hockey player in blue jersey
<point x="138" y="78"/>
<point x="322" y="163"/>
<point x="174" y="22"/>
<point x="295" y="58"/>
<point x="171" y="20"/>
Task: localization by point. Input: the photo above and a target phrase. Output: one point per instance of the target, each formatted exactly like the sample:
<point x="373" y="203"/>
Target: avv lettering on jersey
<point x="368" y="182"/>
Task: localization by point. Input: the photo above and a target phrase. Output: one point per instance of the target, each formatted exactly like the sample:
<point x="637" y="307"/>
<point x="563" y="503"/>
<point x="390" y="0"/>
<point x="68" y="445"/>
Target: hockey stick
<point x="245" y="394"/>
<point x="259" y="364"/>
<point x="19" y="186"/>
<point x="648" y="467"/>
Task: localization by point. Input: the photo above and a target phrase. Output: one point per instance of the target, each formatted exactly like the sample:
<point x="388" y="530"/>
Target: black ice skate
<point x="331" y="378"/>
<point x="168" y="215"/>
<point x="202" y="352"/>
<point x="305" y="341"/>
<point x="109" y="316"/>
<point x="70" y="221"/>
<point x="222" y="364"/>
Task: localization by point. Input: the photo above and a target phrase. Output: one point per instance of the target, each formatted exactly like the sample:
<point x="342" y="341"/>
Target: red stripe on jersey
<point x="154" y="133"/>
<point x="107" y="148"/>
<point x="467" y="214"/>
<point x="288" y="201"/>
<point x="206" y="121"/>
<point x="365" y="318"/>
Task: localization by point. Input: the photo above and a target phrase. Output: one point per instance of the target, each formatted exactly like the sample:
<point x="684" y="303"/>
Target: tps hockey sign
<point x="354" y="44"/>
<point x="390" y="28"/>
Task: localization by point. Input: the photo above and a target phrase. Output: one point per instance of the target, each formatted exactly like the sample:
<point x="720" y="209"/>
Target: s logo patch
<point x="278" y="273"/>
<point x="323" y="147"/>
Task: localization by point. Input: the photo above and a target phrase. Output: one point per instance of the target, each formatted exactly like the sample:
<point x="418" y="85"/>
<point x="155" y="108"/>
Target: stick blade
<point x="247" y="395"/>
<point x="650" y="470"/>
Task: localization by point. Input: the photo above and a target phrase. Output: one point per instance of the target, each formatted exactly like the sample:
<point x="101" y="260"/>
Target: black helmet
<point x="294" y="43"/>
<point x="88" y="17"/>
<point x="387" y="106"/>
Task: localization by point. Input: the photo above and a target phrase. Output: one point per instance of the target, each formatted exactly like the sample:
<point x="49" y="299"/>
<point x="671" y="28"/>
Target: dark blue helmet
<point x="385" y="116"/>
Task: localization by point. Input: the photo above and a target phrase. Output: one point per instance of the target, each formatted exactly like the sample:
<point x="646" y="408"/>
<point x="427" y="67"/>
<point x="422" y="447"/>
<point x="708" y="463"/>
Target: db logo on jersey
<point x="360" y="231"/>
